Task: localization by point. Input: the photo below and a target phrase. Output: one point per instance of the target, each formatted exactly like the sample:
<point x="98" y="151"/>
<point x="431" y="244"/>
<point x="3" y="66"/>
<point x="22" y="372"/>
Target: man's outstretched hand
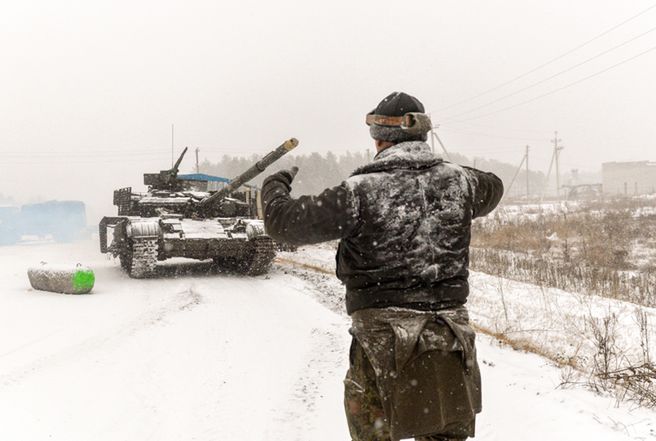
<point x="284" y="176"/>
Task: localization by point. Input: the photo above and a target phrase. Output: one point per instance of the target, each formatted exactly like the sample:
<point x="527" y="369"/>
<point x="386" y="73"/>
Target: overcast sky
<point x="87" y="85"/>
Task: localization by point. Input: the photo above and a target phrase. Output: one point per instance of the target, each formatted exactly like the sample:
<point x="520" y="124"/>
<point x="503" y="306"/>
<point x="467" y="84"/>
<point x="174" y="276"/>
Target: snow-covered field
<point x="217" y="357"/>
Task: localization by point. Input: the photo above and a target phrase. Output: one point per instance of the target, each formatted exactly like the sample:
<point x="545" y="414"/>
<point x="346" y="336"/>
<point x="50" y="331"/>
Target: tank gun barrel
<point x="252" y="172"/>
<point x="176" y="166"/>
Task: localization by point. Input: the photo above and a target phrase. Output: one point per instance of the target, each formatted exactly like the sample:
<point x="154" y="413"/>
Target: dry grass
<point x="590" y="250"/>
<point x="635" y="287"/>
<point x="526" y="345"/>
<point x="303" y="265"/>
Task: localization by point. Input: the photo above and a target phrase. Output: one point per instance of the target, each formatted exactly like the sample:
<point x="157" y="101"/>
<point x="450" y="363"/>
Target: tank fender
<point x="106" y="221"/>
<point x="254" y="228"/>
<point x="143" y="229"/>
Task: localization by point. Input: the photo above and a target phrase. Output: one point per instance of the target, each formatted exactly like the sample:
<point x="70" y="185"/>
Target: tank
<point x="194" y="216"/>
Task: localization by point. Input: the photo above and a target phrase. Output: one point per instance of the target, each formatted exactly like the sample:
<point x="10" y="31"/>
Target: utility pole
<point x="527" y="187"/>
<point x="546" y="185"/>
<point x="432" y="141"/>
<point x="172" y="143"/>
<point x="521" y="164"/>
<point x="556" y="157"/>
<point x="433" y="137"/>
<point x="197" y="167"/>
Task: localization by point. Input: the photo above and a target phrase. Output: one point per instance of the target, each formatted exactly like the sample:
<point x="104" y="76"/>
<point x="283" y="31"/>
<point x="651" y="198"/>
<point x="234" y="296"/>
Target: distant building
<point x="629" y="178"/>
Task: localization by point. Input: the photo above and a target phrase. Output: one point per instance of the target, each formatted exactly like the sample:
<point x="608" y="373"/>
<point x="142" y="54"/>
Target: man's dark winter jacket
<point x="404" y="221"/>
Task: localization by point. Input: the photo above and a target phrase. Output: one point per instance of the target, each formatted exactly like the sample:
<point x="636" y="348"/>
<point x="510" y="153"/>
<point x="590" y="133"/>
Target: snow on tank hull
<point x="234" y="244"/>
<point x="184" y="217"/>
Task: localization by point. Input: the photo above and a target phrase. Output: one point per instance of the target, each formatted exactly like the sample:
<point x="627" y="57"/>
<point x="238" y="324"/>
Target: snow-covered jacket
<point x="404" y="221"/>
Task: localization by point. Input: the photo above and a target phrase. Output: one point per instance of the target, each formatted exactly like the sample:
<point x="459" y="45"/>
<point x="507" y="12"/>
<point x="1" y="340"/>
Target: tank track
<point x="264" y="251"/>
<point x="143" y="259"/>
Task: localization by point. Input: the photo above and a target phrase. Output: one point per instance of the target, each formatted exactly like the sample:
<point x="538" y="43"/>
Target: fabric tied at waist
<point x="407" y="325"/>
<point x="425" y="366"/>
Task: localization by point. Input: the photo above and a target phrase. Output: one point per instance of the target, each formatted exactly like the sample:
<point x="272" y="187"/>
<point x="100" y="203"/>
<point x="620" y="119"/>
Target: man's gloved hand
<point x="283" y="176"/>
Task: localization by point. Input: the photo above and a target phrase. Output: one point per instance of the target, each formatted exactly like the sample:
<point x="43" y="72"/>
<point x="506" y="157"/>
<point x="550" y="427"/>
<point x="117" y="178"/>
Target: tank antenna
<point x="172" y="143"/>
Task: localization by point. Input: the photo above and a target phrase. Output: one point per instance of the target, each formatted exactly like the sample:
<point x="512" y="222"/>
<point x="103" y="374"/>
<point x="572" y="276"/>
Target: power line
<point x="87" y="150"/>
<point x="537" y="83"/>
<point x="478" y="125"/>
<point x="483" y="150"/>
<point x="66" y="155"/>
<point x="490" y="135"/>
<point x="546" y="63"/>
<point x="563" y="87"/>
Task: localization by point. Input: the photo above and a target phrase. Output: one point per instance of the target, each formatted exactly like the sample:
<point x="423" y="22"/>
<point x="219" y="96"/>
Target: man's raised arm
<point x="309" y="219"/>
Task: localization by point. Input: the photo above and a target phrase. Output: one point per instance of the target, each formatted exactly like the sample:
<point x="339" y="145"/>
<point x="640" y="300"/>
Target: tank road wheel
<point x="257" y="258"/>
<point x="226" y="264"/>
<point x="262" y="254"/>
<point x="141" y="260"/>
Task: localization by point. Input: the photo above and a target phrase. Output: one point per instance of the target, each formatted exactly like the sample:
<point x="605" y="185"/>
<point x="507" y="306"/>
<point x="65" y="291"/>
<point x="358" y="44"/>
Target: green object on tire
<point x="65" y="279"/>
<point x="83" y="281"/>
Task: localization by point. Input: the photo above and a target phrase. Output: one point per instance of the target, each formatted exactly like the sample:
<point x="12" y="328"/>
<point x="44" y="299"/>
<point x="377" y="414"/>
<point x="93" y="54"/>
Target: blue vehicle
<point x="64" y="221"/>
<point x="9" y="225"/>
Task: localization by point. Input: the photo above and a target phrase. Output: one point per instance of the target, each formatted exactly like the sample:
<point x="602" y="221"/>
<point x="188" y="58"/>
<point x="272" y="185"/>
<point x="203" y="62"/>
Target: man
<point x="404" y="224"/>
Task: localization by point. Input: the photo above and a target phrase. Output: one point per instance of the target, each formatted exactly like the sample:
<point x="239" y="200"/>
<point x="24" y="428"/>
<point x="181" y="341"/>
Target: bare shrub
<point x="643" y="325"/>
<point x="606" y="357"/>
<point x="611" y="370"/>
<point x="637" y="381"/>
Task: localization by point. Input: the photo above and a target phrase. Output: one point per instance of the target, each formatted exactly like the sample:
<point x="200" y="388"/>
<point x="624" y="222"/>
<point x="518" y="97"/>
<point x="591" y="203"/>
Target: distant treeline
<point x="6" y="200"/>
<point x="316" y="171"/>
<point x="536" y="180"/>
<point x="319" y="171"/>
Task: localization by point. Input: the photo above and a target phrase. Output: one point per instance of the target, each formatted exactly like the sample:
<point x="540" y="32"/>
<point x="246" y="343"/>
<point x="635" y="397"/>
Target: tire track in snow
<point x="323" y="362"/>
<point x="181" y="301"/>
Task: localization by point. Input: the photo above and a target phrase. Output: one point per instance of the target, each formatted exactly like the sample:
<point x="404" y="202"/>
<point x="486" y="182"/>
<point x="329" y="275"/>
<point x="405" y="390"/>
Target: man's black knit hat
<point x="396" y="104"/>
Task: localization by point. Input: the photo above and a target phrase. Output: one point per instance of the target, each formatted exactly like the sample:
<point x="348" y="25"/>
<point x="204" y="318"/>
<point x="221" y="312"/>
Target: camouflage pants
<point x="367" y="408"/>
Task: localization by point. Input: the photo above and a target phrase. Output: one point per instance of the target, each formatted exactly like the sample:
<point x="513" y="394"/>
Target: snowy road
<point x="203" y="358"/>
<point x="224" y="358"/>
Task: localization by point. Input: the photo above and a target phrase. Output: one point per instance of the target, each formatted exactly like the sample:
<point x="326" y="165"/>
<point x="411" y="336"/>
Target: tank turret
<point x="165" y="179"/>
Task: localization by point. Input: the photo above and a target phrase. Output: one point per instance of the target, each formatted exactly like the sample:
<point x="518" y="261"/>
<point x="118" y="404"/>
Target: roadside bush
<point x="587" y="250"/>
